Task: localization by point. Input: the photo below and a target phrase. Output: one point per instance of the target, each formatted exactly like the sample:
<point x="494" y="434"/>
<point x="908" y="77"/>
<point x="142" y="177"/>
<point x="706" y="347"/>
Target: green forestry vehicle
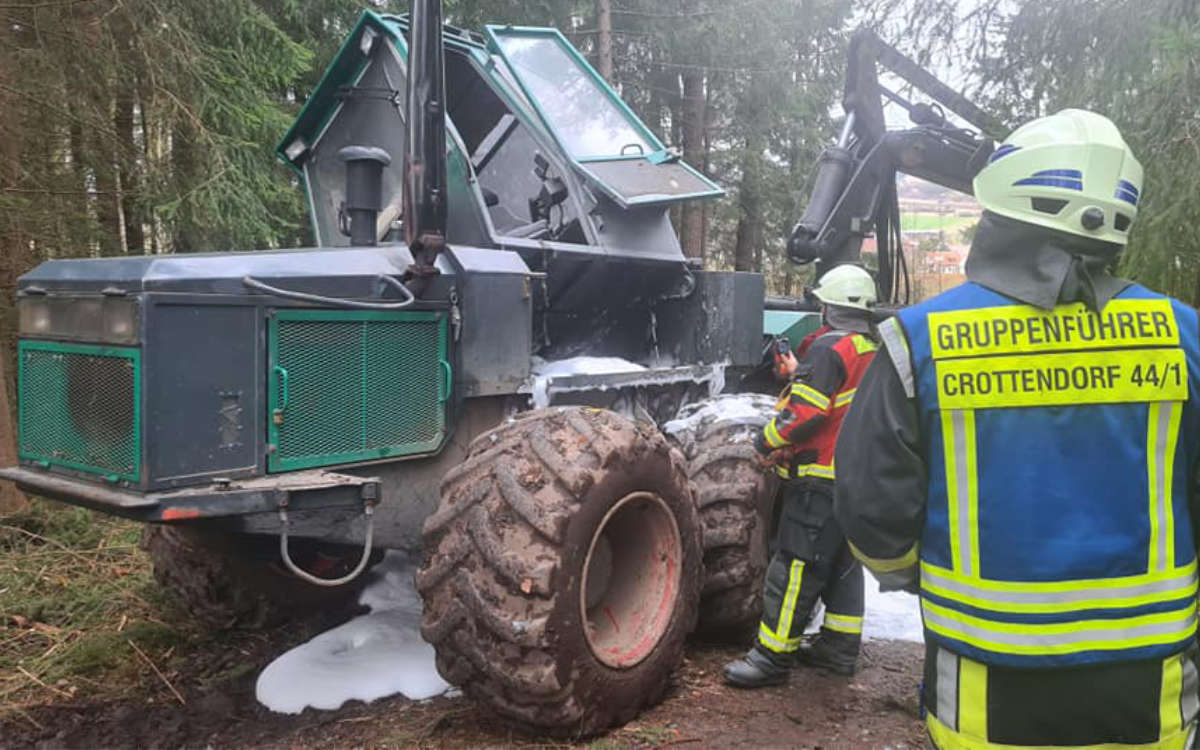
<point x="498" y="360"/>
<point x="472" y="366"/>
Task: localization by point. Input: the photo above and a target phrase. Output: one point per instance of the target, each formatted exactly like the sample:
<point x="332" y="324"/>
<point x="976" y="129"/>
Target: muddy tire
<point x="227" y="581"/>
<point x="734" y="497"/>
<point x="562" y="570"/>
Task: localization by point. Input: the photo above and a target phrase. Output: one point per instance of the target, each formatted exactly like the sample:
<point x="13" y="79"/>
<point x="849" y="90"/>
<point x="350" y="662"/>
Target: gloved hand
<point x="785" y="366"/>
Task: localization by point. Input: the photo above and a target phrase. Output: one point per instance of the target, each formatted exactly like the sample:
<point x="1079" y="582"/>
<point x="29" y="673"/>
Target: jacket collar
<point x="1041" y="267"/>
<point x="847" y="319"/>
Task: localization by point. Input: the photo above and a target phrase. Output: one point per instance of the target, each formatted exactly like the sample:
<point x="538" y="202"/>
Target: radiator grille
<point x="353" y="386"/>
<point x="78" y="407"/>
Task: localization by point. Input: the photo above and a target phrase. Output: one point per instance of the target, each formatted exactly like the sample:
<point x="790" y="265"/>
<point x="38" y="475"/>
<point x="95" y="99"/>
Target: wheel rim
<point x="631" y="580"/>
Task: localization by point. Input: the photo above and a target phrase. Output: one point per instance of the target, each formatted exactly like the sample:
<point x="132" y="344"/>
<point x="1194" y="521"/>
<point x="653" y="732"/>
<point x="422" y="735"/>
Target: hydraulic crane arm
<point x="854" y="193"/>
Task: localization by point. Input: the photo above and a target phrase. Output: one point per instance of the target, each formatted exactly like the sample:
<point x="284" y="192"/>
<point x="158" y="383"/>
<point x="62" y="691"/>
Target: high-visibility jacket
<point x="811" y="408"/>
<point x="1057" y="529"/>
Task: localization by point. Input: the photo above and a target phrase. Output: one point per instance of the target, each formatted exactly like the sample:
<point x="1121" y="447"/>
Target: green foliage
<point x="1132" y="60"/>
<point x="75" y="590"/>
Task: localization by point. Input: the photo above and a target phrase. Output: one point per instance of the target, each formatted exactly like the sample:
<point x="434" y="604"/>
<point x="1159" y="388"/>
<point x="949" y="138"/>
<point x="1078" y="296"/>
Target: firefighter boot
<point x="755" y="670"/>
<point x="832" y="651"/>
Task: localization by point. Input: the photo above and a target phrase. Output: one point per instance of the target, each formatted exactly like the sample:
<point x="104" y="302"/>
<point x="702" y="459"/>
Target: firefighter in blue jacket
<point x="1024" y="458"/>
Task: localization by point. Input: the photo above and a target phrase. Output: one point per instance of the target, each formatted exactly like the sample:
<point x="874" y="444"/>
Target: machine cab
<point x="539" y="148"/>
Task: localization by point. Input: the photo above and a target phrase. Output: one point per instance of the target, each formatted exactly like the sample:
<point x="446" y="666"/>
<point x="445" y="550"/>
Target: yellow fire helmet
<point x="1071" y="171"/>
<point x="846" y="286"/>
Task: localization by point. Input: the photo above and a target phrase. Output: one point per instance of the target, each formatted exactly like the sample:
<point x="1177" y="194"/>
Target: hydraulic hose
<point x="255" y="284"/>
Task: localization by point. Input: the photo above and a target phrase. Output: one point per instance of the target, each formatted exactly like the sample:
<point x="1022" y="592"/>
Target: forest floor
<point x="92" y="657"/>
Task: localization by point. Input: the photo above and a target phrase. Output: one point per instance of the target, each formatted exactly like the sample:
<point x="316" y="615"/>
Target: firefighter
<point x="812" y="561"/>
<point x="1024" y="454"/>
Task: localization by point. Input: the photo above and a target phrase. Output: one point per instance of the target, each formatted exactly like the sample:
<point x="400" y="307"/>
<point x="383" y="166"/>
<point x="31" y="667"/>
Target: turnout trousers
<point x="811" y="562"/>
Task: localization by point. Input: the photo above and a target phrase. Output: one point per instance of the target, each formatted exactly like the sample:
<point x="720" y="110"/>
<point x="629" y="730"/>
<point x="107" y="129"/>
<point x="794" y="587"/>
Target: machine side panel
<point x="721" y="321"/>
<point x="204" y="413"/>
<point x="497" y="322"/>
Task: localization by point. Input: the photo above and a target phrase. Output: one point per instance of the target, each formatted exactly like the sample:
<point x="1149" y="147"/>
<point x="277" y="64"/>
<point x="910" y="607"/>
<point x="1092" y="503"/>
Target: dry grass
<point x="76" y="603"/>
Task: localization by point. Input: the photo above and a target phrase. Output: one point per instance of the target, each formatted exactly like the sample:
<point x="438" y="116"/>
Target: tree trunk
<point x="127" y="172"/>
<point x="13" y="250"/>
<point x="747" y="250"/>
<point x="691" y="230"/>
<point x="183" y="168"/>
<point x="749" y="227"/>
<point x="604" y="45"/>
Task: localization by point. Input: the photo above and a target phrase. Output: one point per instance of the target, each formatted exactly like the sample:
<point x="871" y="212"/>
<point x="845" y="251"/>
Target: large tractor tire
<point x="562" y="570"/>
<point x="734" y="496"/>
<point x="230" y="581"/>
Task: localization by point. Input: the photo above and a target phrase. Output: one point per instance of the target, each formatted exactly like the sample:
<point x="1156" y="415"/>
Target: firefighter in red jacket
<point x="812" y="560"/>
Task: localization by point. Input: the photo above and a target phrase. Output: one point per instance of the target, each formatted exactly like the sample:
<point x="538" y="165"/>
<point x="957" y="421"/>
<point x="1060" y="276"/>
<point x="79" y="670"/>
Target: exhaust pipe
<point x="364" y="191"/>
<point x="425" y="152"/>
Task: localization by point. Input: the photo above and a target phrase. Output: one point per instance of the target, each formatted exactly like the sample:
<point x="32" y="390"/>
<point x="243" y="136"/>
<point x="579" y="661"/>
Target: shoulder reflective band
<point x="1019" y="329"/>
<point x="862" y="344"/>
<point x="844" y="398"/>
<point x="897" y="348"/>
<point x="1059" y="596"/>
<point x="1045" y="639"/>
<point x="1130" y="376"/>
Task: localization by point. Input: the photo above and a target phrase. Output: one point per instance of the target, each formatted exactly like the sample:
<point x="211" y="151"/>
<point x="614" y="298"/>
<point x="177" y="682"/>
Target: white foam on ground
<point x="370" y="657"/>
<point x="894" y="616"/>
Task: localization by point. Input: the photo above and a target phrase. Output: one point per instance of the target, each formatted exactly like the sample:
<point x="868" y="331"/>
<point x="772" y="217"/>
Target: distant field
<point x="924" y="222"/>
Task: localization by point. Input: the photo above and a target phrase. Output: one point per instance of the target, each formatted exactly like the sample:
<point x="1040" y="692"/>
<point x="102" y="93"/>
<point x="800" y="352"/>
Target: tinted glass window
<point x="586" y="119"/>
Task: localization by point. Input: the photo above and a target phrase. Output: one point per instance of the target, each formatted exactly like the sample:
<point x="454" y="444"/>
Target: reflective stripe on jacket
<point x="1060" y="445"/>
<point x="810" y="413"/>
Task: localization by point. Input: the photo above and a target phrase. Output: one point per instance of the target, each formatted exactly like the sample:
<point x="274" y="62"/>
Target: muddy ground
<point x="211" y="704"/>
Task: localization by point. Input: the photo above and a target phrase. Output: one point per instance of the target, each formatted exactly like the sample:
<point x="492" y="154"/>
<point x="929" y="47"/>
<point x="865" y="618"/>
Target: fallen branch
<point x="161" y="676"/>
<point x="47" y="540"/>
<point x="51" y="688"/>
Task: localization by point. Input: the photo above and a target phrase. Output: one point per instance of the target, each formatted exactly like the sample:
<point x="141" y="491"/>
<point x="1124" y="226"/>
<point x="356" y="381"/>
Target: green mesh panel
<point x="353" y="386"/>
<point x="79" y="407"/>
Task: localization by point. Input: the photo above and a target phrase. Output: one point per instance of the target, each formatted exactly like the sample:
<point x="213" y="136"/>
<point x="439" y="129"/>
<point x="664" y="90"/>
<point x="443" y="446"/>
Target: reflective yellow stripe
<point x="962" y="490"/>
<point x="844" y="398"/>
<point x="774" y="643"/>
<point x="780" y="640"/>
<point x="783" y="472"/>
<point x="972" y="698"/>
<point x="1043" y="639"/>
<point x="862" y="344"/>
<point x="815" y="470"/>
<point x="843" y="623"/>
<point x="811" y="395"/>
<point x="795" y="576"/>
<point x="771" y="433"/>
<point x="1170" y="720"/>
<point x="948" y="739"/>
<point x="1060" y="586"/>
<point x="1068" y="596"/>
<point x="887" y="565"/>
<point x="1162" y="433"/>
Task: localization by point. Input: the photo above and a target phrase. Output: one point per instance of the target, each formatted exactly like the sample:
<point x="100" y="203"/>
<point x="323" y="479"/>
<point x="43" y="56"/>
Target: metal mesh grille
<point x="79" y="409"/>
<point x="356" y="389"/>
